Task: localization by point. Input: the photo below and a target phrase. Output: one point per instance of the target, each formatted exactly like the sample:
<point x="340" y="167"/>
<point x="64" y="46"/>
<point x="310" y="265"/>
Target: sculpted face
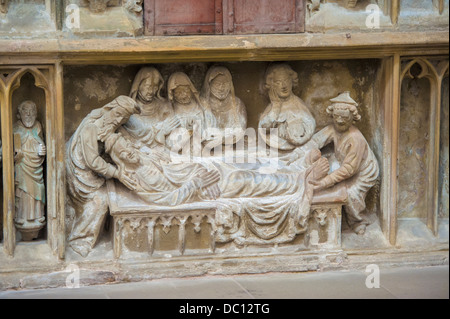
<point x="148" y="89"/>
<point x="282" y="84"/>
<point x="220" y="87"/>
<point x="116" y="117"/>
<point x="342" y="118"/>
<point x="128" y="154"/>
<point x="28" y="115"/>
<point x="182" y="94"/>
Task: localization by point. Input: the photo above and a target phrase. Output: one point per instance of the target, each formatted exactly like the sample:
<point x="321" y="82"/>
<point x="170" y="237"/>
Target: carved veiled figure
<point x="358" y="165"/>
<point x="156" y="119"/>
<point x="230" y="115"/>
<point x="187" y="106"/>
<point x="87" y="170"/>
<point x="286" y="112"/>
<point x="29" y="157"/>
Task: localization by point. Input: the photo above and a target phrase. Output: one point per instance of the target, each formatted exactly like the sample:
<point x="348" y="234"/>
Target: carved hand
<point x="127" y="180"/>
<point x="42" y="150"/>
<point x="313" y="156"/>
<point x="160" y="156"/>
<point x="322" y="184"/>
<point x="171" y="124"/>
<point x="18" y="155"/>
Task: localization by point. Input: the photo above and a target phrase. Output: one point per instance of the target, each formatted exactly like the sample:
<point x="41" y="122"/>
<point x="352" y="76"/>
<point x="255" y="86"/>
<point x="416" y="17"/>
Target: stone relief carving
<point x="86" y="171"/>
<point x="156" y="120"/>
<point x="4" y="6"/>
<point x="158" y="181"/>
<point x="358" y="165"/>
<point x="30" y="151"/>
<point x="230" y="114"/>
<point x="130" y="142"/>
<point x="193" y="116"/>
<point x="286" y="113"/>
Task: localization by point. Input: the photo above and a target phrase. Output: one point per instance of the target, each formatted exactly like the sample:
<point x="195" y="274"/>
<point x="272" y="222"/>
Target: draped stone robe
<point x="29" y="173"/>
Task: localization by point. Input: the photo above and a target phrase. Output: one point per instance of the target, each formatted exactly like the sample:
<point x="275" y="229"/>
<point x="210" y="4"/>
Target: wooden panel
<point x="264" y="16"/>
<point x="179" y="17"/>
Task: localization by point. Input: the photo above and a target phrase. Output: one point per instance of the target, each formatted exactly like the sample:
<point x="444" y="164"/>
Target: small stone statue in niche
<point x="287" y="112"/>
<point x="98" y="6"/>
<point x="156" y="120"/>
<point x="187" y="106"/>
<point x="229" y="112"/>
<point x="87" y="171"/>
<point x="4" y="6"/>
<point x="29" y="157"/>
<point x="358" y="165"/>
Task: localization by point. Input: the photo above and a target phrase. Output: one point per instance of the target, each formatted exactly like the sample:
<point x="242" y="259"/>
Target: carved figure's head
<point x="121" y="150"/>
<point x="117" y="113"/>
<point x="280" y="80"/>
<point x="218" y="83"/>
<point x="180" y="88"/>
<point x="27" y="113"/>
<point x="344" y="112"/>
<point x="147" y="85"/>
<point x="98" y="6"/>
<point x="320" y="216"/>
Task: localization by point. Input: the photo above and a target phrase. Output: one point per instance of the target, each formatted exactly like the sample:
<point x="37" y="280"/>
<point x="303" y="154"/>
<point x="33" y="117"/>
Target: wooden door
<point x="182" y="17"/>
<point x="264" y="16"/>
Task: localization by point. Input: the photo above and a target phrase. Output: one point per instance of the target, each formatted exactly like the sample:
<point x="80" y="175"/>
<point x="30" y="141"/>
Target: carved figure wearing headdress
<point x="230" y="115"/>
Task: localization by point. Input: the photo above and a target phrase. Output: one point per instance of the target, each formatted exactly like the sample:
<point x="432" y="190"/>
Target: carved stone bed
<point x="149" y="229"/>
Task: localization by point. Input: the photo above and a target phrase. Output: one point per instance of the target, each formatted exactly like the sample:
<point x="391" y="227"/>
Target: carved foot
<point x="81" y="249"/>
<point x="360" y="229"/>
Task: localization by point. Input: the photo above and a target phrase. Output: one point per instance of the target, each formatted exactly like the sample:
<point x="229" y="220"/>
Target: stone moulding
<point x="225" y="48"/>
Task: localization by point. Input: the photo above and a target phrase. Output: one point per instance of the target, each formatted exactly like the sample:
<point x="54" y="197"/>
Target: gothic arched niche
<point x="29" y="101"/>
<point x="413" y="144"/>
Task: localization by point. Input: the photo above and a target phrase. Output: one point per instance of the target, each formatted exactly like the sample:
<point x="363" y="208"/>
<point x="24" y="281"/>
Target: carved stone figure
<point x="159" y="182"/>
<point x="230" y="115"/>
<point x="87" y="170"/>
<point x="4" y="6"/>
<point x="187" y="106"/>
<point x="358" y="166"/>
<point x="29" y="157"/>
<point x="287" y="112"/>
<point x="98" y="6"/>
<point x="156" y="120"/>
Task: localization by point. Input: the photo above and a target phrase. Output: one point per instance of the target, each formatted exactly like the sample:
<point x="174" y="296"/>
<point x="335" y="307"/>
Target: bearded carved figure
<point x="29" y="157"/>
